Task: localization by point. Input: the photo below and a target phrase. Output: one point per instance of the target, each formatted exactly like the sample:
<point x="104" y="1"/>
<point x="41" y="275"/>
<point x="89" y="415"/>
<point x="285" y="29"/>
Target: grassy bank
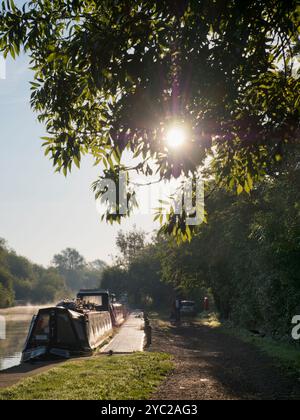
<point x="284" y="353"/>
<point x="133" y="377"/>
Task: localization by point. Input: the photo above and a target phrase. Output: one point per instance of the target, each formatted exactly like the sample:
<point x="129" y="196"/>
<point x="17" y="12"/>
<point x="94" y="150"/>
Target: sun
<point x="176" y="136"/>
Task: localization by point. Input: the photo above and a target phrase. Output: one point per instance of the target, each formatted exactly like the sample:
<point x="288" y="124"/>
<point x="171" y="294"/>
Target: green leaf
<point x="13" y="6"/>
<point x="240" y="189"/>
<point x="52" y="57"/>
<point x="250" y="181"/>
<point x="12" y="52"/>
<point x="77" y="162"/>
<point x="247" y="188"/>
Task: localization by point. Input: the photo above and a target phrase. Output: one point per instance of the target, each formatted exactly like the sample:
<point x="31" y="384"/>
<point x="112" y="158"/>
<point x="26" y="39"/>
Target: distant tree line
<point x="77" y="273"/>
<point x="22" y="280"/>
<point x="138" y="273"/>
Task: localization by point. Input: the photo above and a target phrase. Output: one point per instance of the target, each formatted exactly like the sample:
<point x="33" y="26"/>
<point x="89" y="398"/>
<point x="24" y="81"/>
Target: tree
<point x="137" y="271"/>
<point x="98" y="265"/>
<point x="130" y="244"/>
<point x="113" y="76"/>
<point x="70" y="264"/>
<point x="247" y="255"/>
<point x="24" y="276"/>
<point x="145" y="285"/>
<point x="3" y="244"/>
<point x="6" y="289"/>
<point x="50" y="287"/>
<point x="115" y="280"/>
<point x="3" y="253"/>
<point x="21" y="280"/>
<point x="68" y="260"/>
<point x="77" y="272"/>
<point x="20" y="267"/>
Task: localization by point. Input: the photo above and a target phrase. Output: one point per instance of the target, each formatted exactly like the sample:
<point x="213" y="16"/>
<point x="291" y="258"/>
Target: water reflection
<point x="17" y="325"/>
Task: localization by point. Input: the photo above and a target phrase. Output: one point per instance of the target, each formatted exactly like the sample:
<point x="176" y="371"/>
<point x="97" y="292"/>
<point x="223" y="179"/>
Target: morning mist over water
<point x="18" y="320"/>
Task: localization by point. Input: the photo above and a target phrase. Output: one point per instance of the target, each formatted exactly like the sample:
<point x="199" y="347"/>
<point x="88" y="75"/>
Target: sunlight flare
<point x="176" y="136"/>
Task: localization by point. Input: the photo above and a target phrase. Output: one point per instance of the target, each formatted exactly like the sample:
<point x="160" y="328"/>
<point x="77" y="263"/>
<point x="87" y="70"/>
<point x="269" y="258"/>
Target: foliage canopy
<point x="112" y="75"/>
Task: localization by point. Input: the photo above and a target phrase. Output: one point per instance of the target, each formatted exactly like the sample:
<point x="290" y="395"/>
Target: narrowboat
<point x="73" y="328"/>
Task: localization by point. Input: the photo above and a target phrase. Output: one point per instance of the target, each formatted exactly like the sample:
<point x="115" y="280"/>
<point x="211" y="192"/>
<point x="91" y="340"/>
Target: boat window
<point x="41" y="330"/>
<point x="65" y="333"/>
<point x="96" y="300"/>
<point x="79" y="330"/>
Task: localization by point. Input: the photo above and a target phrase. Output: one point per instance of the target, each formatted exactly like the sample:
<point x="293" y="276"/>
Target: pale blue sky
<point x="41" y="213"/>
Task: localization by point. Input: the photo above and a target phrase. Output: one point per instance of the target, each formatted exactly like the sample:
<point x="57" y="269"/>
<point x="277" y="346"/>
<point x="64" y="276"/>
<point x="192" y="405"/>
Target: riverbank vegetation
<point x="133" y="377"/>
<point x="25" y="282"/>
<point x="246" y="257"/>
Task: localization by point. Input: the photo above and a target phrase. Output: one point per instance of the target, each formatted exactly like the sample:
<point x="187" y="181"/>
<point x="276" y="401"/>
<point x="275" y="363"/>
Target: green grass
<point x="133" y="377"/>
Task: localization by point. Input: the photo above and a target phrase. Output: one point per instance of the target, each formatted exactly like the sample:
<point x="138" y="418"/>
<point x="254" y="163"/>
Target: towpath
<point x="211" y="365"/>
<point x="130" y="337"/>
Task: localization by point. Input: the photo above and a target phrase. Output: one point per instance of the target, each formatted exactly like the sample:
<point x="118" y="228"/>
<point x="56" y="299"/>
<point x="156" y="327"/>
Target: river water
<point x="17" y="322"/>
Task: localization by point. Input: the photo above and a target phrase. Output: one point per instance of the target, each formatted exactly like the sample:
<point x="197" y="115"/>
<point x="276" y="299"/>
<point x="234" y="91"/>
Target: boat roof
<point x="93" y="292"/>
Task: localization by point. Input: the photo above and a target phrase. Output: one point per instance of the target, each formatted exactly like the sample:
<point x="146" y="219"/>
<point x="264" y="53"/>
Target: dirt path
<point x="210" y="365"/>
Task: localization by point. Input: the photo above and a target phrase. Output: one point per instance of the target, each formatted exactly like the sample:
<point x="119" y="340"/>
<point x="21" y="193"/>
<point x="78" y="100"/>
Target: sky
<point x="42" y="213"/>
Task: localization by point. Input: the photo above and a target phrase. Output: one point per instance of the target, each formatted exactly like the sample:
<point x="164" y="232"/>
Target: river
<point x="17" y="322"/>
